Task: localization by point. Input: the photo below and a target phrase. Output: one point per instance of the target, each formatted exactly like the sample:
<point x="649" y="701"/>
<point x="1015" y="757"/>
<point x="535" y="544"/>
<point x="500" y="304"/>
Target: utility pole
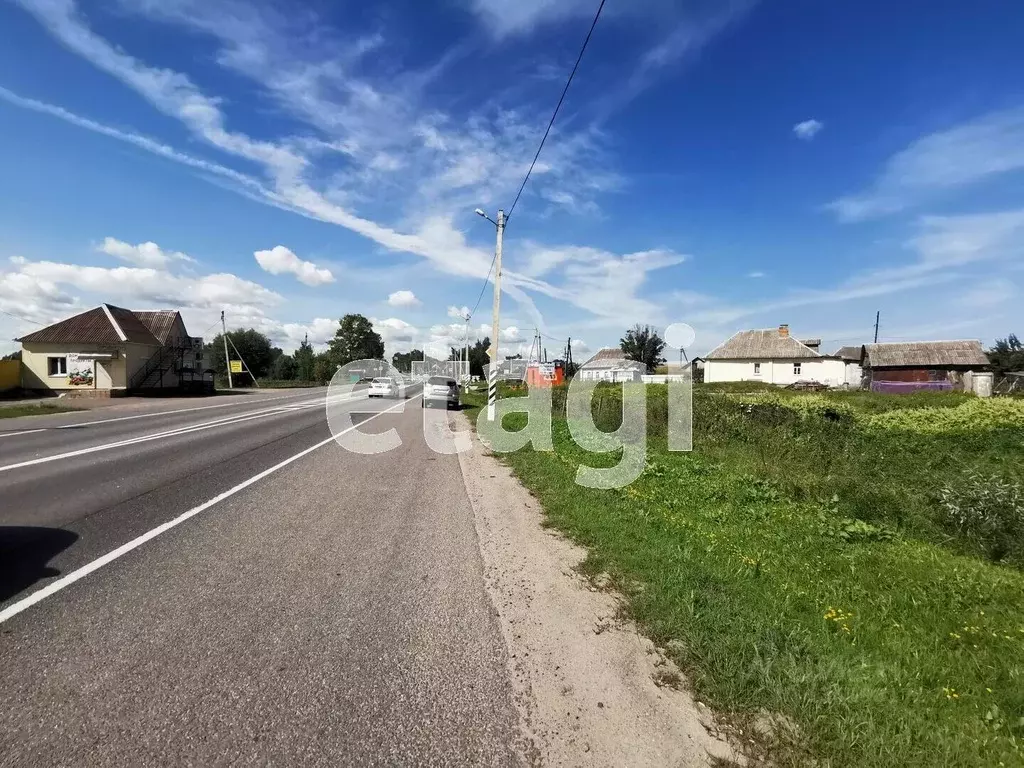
<point x="224" y="338"/>
<point x="878" y="315"/>
<point x="465" y="353"/>
<point x="492" y="383"/>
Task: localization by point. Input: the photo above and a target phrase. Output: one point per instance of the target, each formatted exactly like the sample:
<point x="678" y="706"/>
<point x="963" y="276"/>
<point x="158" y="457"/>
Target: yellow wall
<point x="10" y="374"/>
<point x="35" y="372"/>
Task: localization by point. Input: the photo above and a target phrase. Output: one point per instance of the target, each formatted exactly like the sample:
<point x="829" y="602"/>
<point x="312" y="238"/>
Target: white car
<point x="441" y="391"/>
<point x="383" y="387"/>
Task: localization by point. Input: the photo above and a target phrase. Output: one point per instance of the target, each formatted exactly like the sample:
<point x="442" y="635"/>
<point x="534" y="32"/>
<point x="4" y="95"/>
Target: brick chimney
<point x="784" y="331"/>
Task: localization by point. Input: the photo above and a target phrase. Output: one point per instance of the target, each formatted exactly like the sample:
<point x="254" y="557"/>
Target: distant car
<point x="383" y="386"/>
<point x="441" y="390"/>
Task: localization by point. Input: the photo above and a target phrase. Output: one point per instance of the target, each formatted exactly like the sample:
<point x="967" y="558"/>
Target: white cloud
<point x="147" y="254"/>
<point x="755" y="275"/>
<point x="990" y="145"/>
<point x="403" y="299"/>
<point x="280" y="260"/>
<point x="458" y="312"/>
<point x="988" y="294"/>
<point x="503" y="18"/>
<point x="807" y="129"/>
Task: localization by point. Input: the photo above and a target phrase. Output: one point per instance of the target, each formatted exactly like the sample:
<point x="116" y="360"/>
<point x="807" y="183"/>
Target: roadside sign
<point x="490" y="351"/>
<point x="236" y="366"/>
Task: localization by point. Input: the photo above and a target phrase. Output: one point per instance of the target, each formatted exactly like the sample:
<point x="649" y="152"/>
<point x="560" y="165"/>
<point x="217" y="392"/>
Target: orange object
<point x="545" y="374"/>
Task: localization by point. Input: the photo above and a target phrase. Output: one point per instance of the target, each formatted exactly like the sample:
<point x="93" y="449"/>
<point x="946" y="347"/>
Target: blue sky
<point x="726" y="163"/>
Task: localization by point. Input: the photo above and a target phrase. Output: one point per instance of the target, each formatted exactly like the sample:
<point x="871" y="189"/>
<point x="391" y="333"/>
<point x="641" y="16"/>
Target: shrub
<point x="988" y="511"/>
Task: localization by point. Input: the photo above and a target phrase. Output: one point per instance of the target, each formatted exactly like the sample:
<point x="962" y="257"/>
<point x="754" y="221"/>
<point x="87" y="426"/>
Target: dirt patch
<point x="591" y="690"/>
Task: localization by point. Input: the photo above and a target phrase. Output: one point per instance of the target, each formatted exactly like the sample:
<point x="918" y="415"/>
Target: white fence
<point x="663" y="378"/>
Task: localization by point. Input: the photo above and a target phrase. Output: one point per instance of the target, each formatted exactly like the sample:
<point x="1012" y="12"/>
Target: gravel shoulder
<point x="584" y="680"/>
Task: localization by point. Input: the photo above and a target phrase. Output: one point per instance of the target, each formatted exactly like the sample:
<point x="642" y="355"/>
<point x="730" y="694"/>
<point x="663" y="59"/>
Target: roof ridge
<point x="110" y="316"/>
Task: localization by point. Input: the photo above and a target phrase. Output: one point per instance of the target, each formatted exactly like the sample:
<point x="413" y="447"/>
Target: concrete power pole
<point x="224" y="338"/>
<point x="492" y="378"/>
<point x="878" y="316"/>
<point x="465" y="354"/>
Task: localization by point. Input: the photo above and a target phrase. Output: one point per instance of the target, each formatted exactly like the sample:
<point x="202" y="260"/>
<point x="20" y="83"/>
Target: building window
<point x="757" y="369"/>
<point x="57" y="366"/>
<point x="796" y="369"/>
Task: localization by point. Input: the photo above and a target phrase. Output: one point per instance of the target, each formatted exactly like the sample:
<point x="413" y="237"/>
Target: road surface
<point x="249" y="592"/>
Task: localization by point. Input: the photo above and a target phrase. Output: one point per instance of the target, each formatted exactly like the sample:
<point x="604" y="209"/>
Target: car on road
<point x="441" y="390"/>
<point x="383" y="386"/>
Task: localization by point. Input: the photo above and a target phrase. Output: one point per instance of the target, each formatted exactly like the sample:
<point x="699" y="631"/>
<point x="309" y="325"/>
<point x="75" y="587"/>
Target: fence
<point x="456" y="369"/>
<point x="903" y="387"/>
<point x="10" y="374"/>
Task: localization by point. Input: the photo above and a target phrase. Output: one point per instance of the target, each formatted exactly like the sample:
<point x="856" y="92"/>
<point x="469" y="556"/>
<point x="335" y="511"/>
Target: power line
<point x="22" y="319"/>
<point x="484" y="286"/>
<point x="558" y="106"/>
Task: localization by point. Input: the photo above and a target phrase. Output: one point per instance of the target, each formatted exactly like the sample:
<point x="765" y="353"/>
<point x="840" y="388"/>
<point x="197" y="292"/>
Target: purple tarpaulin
<point x="903" y="387"/>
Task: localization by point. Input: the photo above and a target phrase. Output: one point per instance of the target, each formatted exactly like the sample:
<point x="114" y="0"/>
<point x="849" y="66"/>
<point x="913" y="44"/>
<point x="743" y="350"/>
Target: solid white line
<point x="76" y="575"/>
<point x="185" y="430"/>
<point x="25" y="432"/>
<point x="180" y="410"/>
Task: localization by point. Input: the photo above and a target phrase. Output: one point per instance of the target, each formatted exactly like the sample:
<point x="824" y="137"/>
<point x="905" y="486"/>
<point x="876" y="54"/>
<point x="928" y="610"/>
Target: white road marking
<point x="24" y="432"/>
<point x="80" y="573"/>
<point x="227" y="421"/>
<point x="178" y="410"/>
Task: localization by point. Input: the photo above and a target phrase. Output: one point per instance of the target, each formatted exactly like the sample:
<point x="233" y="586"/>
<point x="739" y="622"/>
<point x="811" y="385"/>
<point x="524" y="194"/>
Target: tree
<point x="12" y="356"/>
<point x="355" y="339"/>
<point x="643" y="344"/>
<point x="478" y="357"/>
<point x="284" y="368"/>
<point x="403" y="360"/>
<point x="254" y="347"/>
<point x="1007" y="355"/>
<point x="324" y="368"/>
<point x="305" y="358"/>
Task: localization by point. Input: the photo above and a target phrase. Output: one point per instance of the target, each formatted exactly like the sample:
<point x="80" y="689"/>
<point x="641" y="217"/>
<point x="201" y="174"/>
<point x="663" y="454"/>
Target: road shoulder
<point x="584" y="679"/>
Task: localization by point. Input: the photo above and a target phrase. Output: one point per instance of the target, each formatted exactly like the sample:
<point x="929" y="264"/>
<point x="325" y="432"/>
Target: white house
<point x="611" y="365"/>
<point x="851" y="357"/>
<point x="772" y="356"/>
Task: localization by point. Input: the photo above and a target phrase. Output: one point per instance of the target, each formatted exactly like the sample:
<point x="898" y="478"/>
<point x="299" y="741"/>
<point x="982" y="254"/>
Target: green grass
<point x="42" y="409"/>
<point x="801" y="566"/>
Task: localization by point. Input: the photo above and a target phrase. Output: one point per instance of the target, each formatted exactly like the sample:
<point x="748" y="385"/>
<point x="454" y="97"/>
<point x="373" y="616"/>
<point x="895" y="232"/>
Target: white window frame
<point x="757" y="369"/>
<point x="797" y="369"/>
<point x="61" y="366"/>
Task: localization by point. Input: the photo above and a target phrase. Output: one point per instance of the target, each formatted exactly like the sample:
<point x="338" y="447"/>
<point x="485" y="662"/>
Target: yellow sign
<point x="490" y="351"/>
<point x="236" y="366"/>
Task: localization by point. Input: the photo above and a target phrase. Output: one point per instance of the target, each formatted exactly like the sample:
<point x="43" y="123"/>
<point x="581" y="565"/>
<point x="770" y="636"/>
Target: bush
<point x="988" y="511"/>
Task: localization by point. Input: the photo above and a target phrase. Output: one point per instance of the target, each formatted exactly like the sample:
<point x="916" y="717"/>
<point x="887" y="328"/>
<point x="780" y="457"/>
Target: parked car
<point x="441" y="390"/>
<point x="383" y="386"/>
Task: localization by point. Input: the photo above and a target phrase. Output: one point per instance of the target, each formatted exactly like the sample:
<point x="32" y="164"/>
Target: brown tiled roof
<point x="926" y="354"/>
<point x="760" y="345"/>
<point x="94" y="326"/>
<point x="158" y="321"/>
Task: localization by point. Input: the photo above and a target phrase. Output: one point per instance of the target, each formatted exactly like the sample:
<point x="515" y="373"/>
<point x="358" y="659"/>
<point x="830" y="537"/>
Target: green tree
<point x="643" y="344"/>
<point x="355" y="339"/>
<point x="12" y="356"/>
<point x="284" y="368"/>
<point x="305" y="359"/>
<point x="254" y="347"/>
<point x="1007" y="355"/>
<point x="403" y="360"/>
<point x="324" y="368"/>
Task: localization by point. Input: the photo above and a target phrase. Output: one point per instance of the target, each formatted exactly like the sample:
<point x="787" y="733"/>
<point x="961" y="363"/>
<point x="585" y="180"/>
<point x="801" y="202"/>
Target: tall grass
<point x="801" y="562"/>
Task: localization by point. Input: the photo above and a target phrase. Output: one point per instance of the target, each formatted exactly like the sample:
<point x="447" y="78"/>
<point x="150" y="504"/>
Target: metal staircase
<point x="151" y="375"/>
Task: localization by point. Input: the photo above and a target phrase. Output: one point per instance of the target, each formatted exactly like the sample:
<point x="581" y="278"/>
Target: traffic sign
<point x="236" y="366"/>
<point x="490" y="351"/>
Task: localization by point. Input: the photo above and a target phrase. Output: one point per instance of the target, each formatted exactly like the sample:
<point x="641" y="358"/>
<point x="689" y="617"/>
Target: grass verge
<point x="885" y="638"/>
<point x="41" y="409"/>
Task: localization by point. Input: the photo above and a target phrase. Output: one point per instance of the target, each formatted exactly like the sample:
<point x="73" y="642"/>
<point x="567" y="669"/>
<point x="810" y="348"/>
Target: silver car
<point x="441" y="391"/>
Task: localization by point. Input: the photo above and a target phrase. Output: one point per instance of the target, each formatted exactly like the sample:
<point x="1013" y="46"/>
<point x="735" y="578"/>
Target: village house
<point x="773" y="356"/>
<point x="610" y="364"/>
<point x="112" y="351"/>
<point x="913" y="365"/>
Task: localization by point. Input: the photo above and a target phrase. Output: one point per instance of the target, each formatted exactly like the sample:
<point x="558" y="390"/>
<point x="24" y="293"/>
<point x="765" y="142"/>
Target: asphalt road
<point x="252" y="593"/>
